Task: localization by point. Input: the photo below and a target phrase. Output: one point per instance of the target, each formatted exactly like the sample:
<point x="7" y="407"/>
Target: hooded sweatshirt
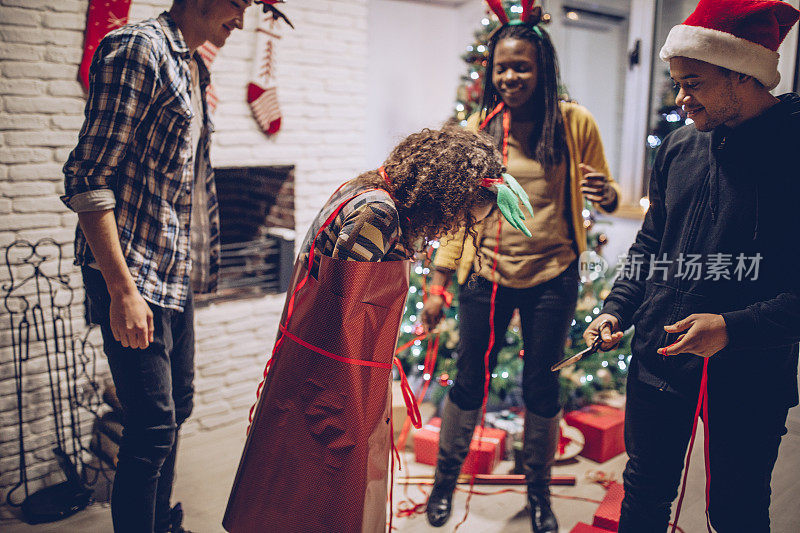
<point x="726" y="199"/>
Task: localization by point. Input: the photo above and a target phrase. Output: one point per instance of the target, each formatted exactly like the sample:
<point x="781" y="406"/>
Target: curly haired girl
<point x="429" y="185"/>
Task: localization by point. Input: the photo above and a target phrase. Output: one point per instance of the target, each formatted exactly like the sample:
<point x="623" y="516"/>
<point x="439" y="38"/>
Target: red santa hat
<point x="740" y="35"/>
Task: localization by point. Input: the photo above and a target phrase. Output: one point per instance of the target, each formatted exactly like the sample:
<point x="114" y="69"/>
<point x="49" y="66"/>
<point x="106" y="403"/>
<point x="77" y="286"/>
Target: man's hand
<point x="595" y="186"/>
<point x="432" y="313"/>
<point x="131" y="320"/>
<point x="611" y="334"/>
<point x="706" y="334"/>
<point x="130" y="317"/>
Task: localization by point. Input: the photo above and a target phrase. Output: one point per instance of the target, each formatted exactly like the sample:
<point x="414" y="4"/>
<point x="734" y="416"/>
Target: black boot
<point x="542" y="518"/>
<point x="440" y="502"/>
<point x="454" y="439"/>
<point x="541" y="441"/>
<point x="176" y="520"/>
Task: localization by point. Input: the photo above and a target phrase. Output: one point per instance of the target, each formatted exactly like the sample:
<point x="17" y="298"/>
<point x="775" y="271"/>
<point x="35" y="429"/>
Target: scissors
<point x="572" y="359"/>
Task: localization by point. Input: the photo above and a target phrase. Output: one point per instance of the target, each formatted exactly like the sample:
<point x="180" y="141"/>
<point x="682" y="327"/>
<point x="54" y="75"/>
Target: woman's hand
<point x="432" y="312"/>
<point x="595" y="186"/>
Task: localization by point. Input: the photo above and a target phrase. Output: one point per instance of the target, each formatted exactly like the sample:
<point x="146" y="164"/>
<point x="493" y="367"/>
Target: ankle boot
<point x="455" y="436"/>
<point x="541" y="441"/>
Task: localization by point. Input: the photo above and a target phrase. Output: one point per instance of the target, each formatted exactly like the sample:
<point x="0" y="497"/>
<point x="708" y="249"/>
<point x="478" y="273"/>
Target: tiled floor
<point x="207" y="464"/>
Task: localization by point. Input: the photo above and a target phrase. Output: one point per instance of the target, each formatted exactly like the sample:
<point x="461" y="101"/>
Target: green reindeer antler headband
<point x="509" y="194"/>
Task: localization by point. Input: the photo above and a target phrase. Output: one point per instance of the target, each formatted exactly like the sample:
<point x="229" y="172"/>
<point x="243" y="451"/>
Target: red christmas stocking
<point x="262" y="94"/>
<point x="103" y="16"/>
<point x="209" y="52"/>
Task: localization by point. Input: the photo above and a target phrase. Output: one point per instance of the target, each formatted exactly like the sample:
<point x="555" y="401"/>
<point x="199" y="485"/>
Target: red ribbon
<point x="414" y="417"/>
<point x="409" y="507"/>
<point x="702" y="403"/>
<point x="563" y="442"/>
<point x="430" y="366"/>
<point x="438" y="290"/>
<point x="492" y="301"/>
<point x="407" y="345"/>
<point x="490" y="116"/>
<point x="384" y="175"/>
<point x="342" y="359"/>
<point x="489" y="182"/>
<point x="408" y="396"/>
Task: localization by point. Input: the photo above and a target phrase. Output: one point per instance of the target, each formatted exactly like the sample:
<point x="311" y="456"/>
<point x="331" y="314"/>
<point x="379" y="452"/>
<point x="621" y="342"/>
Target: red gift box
<point x="484" y="454"/>
<point x="603" y="428"/>
<point x="607" y="515"/>
<point x="580" y="527"/>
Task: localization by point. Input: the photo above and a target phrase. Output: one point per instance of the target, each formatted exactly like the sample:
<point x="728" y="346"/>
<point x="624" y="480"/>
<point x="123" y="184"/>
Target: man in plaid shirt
<point x="140" y="164"/>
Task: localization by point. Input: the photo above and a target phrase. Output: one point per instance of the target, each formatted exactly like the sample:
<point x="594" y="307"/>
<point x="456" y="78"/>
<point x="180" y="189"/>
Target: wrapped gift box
<point x="607" y="515"/>
<point x="603" y="429"/>
<point x="580" y="527"/>
<point x="484" y="453"/>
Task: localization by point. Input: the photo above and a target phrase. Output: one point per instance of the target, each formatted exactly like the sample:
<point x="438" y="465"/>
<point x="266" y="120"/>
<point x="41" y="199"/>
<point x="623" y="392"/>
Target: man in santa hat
<point x="142" y="185"/>
<point x="715" y="290"/>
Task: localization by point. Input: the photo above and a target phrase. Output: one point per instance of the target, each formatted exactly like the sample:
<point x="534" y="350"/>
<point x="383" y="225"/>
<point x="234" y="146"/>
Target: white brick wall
<point x="40" y="110"/>
<point x="322" y="84"/>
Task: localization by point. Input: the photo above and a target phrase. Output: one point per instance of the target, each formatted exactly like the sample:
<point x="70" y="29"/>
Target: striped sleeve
<point x="368" y="233"/>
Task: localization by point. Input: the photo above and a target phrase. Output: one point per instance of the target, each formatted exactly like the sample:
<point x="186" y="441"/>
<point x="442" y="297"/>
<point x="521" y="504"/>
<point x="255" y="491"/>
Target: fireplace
<point x="256" y="209"/>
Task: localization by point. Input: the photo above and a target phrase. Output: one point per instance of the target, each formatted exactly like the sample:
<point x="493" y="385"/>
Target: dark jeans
<point x="743" y="448"/>
<point x="154" y="386"/>
<point x="546" y="312"/>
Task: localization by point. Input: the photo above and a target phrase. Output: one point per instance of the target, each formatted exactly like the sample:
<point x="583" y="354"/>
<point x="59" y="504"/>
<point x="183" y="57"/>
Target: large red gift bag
<point x="317" y="450"/>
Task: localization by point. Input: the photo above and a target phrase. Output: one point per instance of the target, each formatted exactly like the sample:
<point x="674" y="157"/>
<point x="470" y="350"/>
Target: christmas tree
<point x="430" y="361"/>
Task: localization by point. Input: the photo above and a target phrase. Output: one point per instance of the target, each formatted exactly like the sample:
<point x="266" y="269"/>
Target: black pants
<point x="154" y="386"/>
<point x="546" y="312"/>
<point x="743" y="448"/>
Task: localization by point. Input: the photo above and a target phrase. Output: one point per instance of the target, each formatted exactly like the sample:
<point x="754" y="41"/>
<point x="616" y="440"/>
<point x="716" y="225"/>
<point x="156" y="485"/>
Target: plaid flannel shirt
<point x="134" y="156"/>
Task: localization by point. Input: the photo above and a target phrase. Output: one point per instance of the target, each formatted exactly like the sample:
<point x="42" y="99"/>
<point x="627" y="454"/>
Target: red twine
<point x="487" y="372"/>
<point x="702" y="403"/>
<point x="438" y="290"/>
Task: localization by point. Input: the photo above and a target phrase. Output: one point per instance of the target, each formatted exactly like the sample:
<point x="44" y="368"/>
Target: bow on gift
<point x="509" y="194"/>
<point x="269" y="7"/>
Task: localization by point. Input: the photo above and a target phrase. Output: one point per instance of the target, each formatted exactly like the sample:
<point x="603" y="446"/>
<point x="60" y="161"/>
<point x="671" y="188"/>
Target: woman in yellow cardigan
<point x="553" y="149"/>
